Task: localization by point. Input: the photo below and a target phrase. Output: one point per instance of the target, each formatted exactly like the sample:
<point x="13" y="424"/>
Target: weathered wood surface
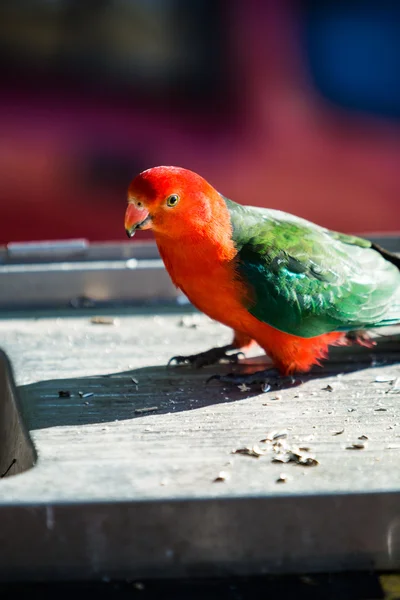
<point x="106" y="446"/>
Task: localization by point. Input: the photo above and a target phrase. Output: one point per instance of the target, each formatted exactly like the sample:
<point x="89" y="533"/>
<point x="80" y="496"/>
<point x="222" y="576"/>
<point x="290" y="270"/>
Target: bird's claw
<point x="210" y="357"/>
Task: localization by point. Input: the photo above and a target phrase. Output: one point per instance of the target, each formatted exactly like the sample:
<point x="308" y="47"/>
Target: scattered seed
<point x="338" y="432"/>
<point x="328" y="388"/>
<point x="86" y="403"/>
<point x="356" y="446"/>
<point x="351" y="410"/>
<point x="363" y="437"/>
<point x="282" y="457"/>
<point x="134" y="380"/>
<point x="87" y="395"/>
<point x="64" y="394"/>
<point x="103" y="321"/>
<point x="277" y="397"/>
<point x="249" y="451"/>
<point x="282" y="478"/>
<point x="296" y="456"/>
<point x="307" y="461"/>
<point x="222" y="476"/>
<point x="380" y="409"/>
<point x="275" y="435"/>
<point x="140" y="411"/>
<point x="383" y="379"/>
<point x="304" y="448"/>
<point x="265" y="387"/>
<point x="243" y="387"/>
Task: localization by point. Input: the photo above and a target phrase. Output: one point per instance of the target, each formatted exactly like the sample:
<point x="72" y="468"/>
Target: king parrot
<point x="288" y="284"/>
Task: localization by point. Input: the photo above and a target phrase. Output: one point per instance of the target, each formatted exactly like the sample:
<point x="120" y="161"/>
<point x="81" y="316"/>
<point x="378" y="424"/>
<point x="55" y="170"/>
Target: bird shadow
<point x="157" y="390"/>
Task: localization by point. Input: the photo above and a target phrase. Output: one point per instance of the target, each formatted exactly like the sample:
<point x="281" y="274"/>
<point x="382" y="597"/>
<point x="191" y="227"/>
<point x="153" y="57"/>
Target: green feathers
<point x="306" y="280"/>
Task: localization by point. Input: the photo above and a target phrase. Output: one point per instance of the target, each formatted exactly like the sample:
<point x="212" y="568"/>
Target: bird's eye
<point x="138" y="203"/>
<point x="172" y="200"/>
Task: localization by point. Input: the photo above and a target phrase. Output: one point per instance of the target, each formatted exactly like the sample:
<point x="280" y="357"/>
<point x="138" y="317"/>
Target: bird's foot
<point x="268" y="379"/>
<point x="210" y="357"/>
<point x="362" y="338"/>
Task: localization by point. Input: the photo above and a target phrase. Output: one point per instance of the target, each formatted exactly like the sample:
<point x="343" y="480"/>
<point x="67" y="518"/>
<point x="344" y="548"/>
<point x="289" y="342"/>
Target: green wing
<point x="306" y="280"/>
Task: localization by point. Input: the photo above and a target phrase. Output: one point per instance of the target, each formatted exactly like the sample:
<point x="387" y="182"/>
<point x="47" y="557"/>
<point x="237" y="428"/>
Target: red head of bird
<point x="173" y="202"/>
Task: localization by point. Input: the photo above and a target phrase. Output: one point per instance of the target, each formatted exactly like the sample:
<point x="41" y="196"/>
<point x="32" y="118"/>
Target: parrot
<point x="293" y="287"/>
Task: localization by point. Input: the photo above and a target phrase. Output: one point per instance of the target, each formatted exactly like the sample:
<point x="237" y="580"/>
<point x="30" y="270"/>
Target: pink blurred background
<point x="288" y="104"/>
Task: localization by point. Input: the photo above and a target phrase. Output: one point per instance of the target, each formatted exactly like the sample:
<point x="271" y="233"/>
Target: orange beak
<point x="136" y="218"/>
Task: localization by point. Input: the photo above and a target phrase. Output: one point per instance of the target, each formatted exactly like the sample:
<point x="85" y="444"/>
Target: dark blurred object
<point x="354" y="51"/>
<point x="140" y="48"/>
<point x="349" y="586"/>
<point x="94" y="92"/>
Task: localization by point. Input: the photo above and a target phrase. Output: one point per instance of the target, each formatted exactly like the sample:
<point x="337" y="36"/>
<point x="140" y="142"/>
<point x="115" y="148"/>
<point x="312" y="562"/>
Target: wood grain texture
<point x="107" y="446"/>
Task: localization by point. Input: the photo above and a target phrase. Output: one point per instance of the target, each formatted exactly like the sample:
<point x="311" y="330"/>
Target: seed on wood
<point x="243" y="387"/>
<point x="383" y="379"/>
<point x="275" y="435"/>
<point x="281" y="457"/>
<point x="339" y="432"/>
<point x="146" y="409"/>
<point x="249" y="451"/>
<point x="102" y="321"/>
<point x="222" y="476"/>
<point x="296" y="455"/>
<point x="356" y="446"/>
<point x="307" y="461"/>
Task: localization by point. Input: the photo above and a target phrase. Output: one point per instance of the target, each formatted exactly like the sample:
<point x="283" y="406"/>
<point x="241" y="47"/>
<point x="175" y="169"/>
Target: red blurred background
<point x="288" y="104"/>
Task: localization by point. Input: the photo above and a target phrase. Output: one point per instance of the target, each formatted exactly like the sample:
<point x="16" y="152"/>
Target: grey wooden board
<point x="99" y="449"/>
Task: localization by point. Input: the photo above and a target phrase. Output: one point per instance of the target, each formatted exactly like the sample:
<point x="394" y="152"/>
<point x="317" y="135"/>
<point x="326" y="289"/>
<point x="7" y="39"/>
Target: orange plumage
<point x="194" y="238"/>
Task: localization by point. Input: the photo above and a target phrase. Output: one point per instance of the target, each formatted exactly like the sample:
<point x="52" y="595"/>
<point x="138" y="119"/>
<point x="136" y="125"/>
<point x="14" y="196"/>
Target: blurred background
<point x="291" y="104"/>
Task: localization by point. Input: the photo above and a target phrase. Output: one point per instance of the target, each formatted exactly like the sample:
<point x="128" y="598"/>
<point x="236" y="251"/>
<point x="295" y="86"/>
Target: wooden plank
<point x="171" y="434"/>
<point x="142" y="447"/>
